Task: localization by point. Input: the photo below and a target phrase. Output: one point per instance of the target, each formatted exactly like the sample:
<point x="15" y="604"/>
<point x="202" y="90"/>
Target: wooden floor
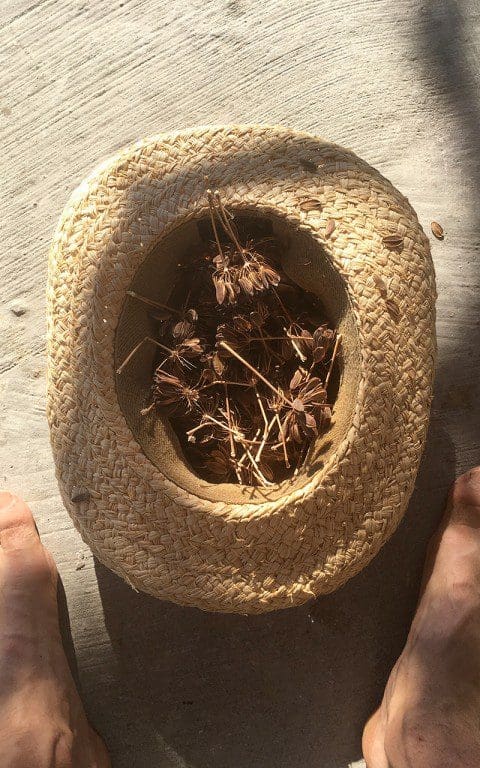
<point x="398" y="82"/>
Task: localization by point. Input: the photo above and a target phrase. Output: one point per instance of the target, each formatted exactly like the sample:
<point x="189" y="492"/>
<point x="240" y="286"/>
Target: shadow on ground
<point x="286" y="689"/>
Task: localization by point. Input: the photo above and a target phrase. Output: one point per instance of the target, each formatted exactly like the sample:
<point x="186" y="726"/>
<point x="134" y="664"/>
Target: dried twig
<point x="255" y="371"/>
<point x="137" y="347"/>
<point x="152" y="303"/>
<point x="284" y="445"/>
<point x="332" y="360"/>
<point x="226" y="222"/>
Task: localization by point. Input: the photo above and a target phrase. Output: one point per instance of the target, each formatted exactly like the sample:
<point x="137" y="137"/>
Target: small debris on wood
<point x="437" y="230"/>
<point x="330" y="227"/>
<point x="79" y="494"/>
<point x="18" y="309"/>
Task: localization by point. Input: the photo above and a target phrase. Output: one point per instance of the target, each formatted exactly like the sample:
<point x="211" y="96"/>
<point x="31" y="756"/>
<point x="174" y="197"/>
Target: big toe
<point x="466" y="489"/>
<point x="373" y="742"/>
<point x="17" y="526"/>
<point x="464" y="506"/>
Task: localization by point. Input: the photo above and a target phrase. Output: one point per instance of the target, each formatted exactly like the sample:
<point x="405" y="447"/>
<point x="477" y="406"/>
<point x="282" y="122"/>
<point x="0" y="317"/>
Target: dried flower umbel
<point x="245" y="358"/>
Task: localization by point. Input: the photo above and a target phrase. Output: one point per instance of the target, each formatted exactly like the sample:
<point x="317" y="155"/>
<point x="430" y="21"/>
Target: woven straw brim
<point x="124" y="481"/>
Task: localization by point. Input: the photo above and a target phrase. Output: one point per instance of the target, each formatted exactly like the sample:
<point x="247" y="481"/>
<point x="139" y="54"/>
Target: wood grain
<point x="399" y="84"/>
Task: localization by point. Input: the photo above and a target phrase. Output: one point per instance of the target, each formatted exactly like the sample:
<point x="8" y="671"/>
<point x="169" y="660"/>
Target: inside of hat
<point x="306" y="262"/>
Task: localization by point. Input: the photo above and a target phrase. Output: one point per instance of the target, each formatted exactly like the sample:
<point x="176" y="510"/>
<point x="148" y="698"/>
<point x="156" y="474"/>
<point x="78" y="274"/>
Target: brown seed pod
<point x="310" y="205"/>
<point x="393" y="241"/>
<point x="437" y="230"/>
<point x="329" y="227"/>
<point x="381" y="284"/>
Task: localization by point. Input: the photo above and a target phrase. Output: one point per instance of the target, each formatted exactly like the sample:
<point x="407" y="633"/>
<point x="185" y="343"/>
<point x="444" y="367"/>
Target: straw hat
<point x="123" y="478"/>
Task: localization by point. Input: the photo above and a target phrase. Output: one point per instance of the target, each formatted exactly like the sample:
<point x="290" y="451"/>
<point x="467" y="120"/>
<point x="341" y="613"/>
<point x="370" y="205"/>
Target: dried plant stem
<point x="229" y="419"/>
<point x="187" y="299"/>
<point x="152" y="303"/>
<point x="233" y="452"/>
<point x="254" y="370"/>
<point x="296" y="348"/>
<point x="334" y="354"/>
<point x="212" y="219"/>
<point x="226" y="223"/>
<point x="256" y="469"/>
<point x="244" y="454"/>
<point x="230" y="383"/>
<point x="240" y="437"/>
<point x="287" y="313"/>
<point x="300" y="460"/>
<point x="137" y="347"/>
<point x="280" y="428"/>
<point x="277" y="338"/>
<point x="262" y="409"/>
<point x="196" y="429"/>
<point x="264" y="438"/>
<point x="267" y="350"/>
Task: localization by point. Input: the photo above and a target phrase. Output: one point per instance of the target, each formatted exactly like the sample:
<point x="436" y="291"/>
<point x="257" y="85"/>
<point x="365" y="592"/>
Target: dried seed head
<point x="185" y="327"/>
<point x="241" y="324"/>
<point x="297" y="378"/>
<point x="218" y="365"/>
<point x="172" y="394"/>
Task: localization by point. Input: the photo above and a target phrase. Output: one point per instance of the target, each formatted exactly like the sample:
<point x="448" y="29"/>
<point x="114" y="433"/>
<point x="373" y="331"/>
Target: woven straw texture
<point x="141" y="510"/>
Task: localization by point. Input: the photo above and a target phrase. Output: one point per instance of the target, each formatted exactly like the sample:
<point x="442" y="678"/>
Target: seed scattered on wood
<point x="393" y="241"/>
<point x="79" y="494"/>
<point x="330" y="227"/>
<point x="244" y="358"/>
<point x="310" y="205"/>
<point x="437" y="230"/>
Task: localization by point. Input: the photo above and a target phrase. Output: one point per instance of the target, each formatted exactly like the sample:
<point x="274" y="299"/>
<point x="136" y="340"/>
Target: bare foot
<point x="429" y="716"/>
<point x="42" y="722"/>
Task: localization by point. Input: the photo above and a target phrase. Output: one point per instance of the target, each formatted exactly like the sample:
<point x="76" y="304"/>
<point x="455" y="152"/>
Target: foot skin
<point x="42" y="721"/>
<point x="429" y="716"/>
